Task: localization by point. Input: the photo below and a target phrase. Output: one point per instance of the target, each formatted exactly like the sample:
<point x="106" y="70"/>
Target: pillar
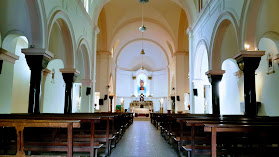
<point x="96" y="31"/>
<point x="248" y="62"/>
<point x="215" y="77"/>
<point x="45" y="74"/>
<point x="181" y="83"/>
<point x="110" y="102"/>
<point x="69" y="76"/>
<point x="37" y="60"/>
<point x="135" y="86"/>
<point x="149" y="91"/>
<point x="86" y="95"/>
<point x="122" y="105"/>
<point x="191" y="68"/>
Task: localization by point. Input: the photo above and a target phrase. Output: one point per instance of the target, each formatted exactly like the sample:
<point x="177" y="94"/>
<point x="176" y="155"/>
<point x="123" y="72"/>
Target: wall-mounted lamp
<point x="246" y="46"/>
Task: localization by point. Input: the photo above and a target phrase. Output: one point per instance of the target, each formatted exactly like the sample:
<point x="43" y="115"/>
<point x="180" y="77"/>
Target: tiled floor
<point x="142" y="139"/>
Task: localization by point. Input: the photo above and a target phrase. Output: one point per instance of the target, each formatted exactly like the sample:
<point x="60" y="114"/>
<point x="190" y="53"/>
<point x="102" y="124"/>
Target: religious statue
<point x="141" y="85"/>
<point x="141" y="97"/>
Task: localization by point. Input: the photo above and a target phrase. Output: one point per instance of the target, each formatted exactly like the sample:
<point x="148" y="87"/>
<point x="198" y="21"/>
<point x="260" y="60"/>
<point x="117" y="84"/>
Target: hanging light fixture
<point x="142" y="29"/>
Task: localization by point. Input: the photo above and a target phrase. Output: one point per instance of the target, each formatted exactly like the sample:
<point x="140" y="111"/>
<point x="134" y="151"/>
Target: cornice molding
<point x="69" y="71"/>
<point x="245" y="53"/>
<point x="38" y="52"/>
<point x="215" y="72"/>
<point x="8" y="56"/>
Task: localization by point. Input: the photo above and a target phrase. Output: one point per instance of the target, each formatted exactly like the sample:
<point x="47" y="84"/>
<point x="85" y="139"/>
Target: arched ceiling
<point x="166" y="24"/>
<point x="130" y="58"/>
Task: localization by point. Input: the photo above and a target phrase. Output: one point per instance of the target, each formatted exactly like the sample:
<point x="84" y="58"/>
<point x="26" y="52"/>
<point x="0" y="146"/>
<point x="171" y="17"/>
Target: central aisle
<point x="142" y="139"/>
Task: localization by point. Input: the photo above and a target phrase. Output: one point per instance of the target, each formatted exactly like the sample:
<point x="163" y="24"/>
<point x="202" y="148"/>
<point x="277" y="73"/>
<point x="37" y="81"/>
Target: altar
<point x="141" y="107"/>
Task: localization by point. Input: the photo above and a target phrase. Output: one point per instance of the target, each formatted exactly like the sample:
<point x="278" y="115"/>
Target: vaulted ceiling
<point x="166" y="23"/>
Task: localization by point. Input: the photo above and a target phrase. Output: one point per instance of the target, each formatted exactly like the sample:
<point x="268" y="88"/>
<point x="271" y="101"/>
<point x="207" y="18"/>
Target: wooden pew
<point x="21" y="124"/>
<point x="240" y="128"/>
<point x="91" y="138"/>
<point x="226" y="120"/>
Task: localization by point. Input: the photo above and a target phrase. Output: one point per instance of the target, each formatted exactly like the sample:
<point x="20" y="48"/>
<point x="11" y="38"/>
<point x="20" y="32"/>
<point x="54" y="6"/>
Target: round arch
<point x="200" y="51"/>
<point x="152" y="21"/>
<point x="226" y="23"/>
<point x="250" y="14"/>
<point x="139" y="39"/>
<point x="83" y="47"/>
<point x="64" y="23"/>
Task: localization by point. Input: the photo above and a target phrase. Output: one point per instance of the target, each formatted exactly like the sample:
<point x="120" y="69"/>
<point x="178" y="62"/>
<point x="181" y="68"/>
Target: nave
<point x="142" y="139"/>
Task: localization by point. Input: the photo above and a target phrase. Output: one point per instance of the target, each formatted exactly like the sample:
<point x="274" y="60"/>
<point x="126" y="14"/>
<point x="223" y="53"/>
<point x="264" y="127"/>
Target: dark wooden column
<point x="69" y="76"/>
<point x="111" y="98"/>
<point x="173" y="104"/>
<point x="1" y="65"/>
<point x="37" y="60"/>
<point x="215" y="77"/>
<point x="248" y="62"/>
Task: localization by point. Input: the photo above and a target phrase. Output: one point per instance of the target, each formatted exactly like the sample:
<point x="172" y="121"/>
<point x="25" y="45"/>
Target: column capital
<point x="38" y="52"/>
<point x="70" y="71"/>
<point x="8" y="56"/>
<point x="249" y="54"/>
<point x="87" y="82"/>
<point x="215" y="72"/>
<point x="250" y="58"/>
<point x="111" y="96"/>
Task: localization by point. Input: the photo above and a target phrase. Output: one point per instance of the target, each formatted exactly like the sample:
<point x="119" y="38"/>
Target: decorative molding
<point x="215" y="72"/>
<point x="96" y="29"/>
<point x="245" y="53"/>
<point x="70" y="71"/>
<point x="104" y="53"/>
<point x="38" y="52"/>
<point x="8" y="56"/>
<point x="181" y="53"/>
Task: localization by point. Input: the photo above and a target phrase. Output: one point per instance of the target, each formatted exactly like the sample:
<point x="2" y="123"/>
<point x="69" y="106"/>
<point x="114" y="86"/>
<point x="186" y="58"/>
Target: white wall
<point x="76" y="101"/>
<point x="102" y="78"/>
<point x="15" y="79"/>
<point x="267" y="85"/>
<point x="228" y="89"/>
<point x="125" y="87"/>
<point x="54" y="92"/>
<point x="124" y="83"/>
<point x="159" y="83"/>
<point x="21" y="81"/>
<point x="6" y="83"/>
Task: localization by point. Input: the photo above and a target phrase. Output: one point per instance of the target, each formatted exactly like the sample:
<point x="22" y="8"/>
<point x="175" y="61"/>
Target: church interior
<point x="139" y="78"/>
